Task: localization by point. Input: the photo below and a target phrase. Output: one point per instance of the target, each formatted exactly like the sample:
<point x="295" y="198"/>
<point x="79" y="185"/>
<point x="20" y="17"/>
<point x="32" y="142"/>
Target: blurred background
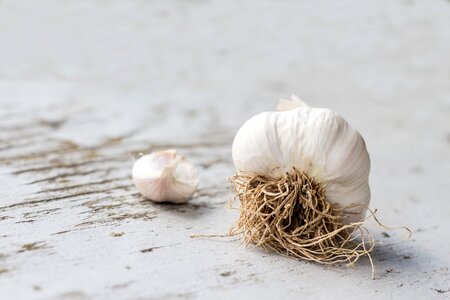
<point x="186" y="72"/>
<point x="190" y="70"/>
<point x="375" y="62"/>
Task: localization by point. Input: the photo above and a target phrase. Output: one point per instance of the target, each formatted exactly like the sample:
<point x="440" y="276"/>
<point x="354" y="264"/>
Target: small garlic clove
<point x="165" y="176"/>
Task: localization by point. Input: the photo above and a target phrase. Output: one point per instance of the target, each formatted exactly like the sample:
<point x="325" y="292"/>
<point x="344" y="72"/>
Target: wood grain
<point x="87" y="86"/>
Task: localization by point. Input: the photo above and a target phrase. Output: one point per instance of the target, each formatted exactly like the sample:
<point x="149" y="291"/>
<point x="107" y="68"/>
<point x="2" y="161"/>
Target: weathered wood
<point x="86" y="86"/>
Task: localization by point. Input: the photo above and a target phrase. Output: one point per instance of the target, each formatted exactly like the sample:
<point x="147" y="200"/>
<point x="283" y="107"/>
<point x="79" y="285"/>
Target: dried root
<point x="291" y="217"/>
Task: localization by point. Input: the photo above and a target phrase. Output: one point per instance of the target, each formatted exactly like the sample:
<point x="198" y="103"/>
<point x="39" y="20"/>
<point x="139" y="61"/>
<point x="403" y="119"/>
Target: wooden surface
<point x="85" y="86"/>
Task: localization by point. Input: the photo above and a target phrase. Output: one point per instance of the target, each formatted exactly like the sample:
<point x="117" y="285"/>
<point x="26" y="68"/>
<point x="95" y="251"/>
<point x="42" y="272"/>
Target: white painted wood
<point x="85" y="86"/>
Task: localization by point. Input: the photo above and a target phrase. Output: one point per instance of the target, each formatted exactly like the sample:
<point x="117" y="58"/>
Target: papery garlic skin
<point x="165" y="176"/>
<point x="317" y="142"/>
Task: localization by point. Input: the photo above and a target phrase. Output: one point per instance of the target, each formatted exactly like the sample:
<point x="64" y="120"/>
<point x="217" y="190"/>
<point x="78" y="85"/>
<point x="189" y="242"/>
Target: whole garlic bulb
<point x="165" y="176"/>
<point x="317" y="142"/>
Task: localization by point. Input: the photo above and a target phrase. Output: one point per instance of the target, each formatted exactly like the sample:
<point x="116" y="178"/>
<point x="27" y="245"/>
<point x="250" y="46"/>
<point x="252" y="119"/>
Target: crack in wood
<point x="37" y="155"/>
<point x="48" y="124"/>
<point x="72" y="174"/>
<point x="32" y="246"/>
<point x="5" y="218"/>
<point x="69" y="165"/>
<point x="61" y="232"/>
<point x="84" y="185"/>
<point x="146" y="250"/>
<point x="40" y="213"/>
<point x="21" y="145"/>
<point x="46" y="200"/>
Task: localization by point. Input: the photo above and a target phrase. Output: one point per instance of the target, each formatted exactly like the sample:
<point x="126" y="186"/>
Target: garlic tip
<point x="289" y="104"/>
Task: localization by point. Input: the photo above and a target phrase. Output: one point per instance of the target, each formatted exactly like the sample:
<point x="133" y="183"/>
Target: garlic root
<point x="290" y="216"/>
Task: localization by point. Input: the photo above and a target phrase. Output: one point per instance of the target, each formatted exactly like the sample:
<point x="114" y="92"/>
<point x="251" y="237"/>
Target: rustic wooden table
<point x="85" y="86"/>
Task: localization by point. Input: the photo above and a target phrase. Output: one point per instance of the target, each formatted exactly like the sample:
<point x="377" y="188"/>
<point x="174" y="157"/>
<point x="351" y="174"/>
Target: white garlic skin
<point x="316" y="141"/>
<point x="165" y="176"/>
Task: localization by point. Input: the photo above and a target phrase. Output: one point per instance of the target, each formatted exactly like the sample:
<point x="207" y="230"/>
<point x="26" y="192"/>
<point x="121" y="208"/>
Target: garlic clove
<point x="165" y="176"/>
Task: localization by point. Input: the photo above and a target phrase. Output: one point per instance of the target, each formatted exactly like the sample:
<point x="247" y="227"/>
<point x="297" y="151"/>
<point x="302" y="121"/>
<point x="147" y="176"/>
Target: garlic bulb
<point x="317" y="142"/>
<point x="165" y="176"/>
